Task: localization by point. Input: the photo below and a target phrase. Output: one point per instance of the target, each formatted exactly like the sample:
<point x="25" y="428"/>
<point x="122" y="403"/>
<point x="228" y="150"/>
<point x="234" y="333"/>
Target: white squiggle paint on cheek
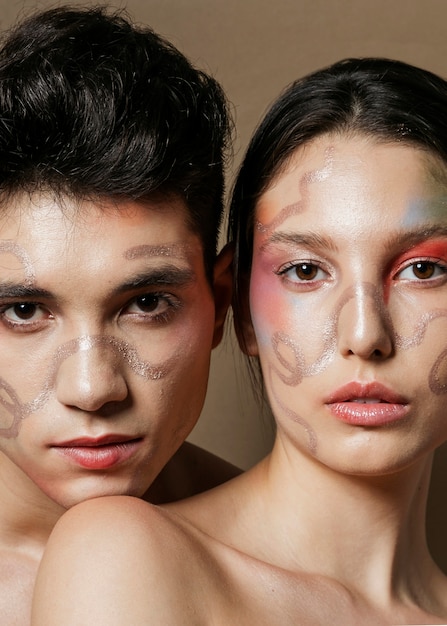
<point x="438" y="376"/>
<point x="293" y="372"/>
<point x="121" y="348"/>
<point x="296" y="370"/>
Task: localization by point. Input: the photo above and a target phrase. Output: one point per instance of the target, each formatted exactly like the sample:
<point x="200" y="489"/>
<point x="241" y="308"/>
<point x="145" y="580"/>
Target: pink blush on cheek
<point x="265" y="295"/>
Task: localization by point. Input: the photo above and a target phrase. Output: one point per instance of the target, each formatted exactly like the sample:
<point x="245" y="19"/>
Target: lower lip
<point x="100" y="457"/>
<point x="372" y="415"/>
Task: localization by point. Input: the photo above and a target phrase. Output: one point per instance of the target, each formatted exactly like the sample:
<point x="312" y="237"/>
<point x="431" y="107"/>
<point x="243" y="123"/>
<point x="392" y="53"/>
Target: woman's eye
<point x="22" y="313"/>
<point x="304" y="272"/>
<point x="422" y="270"/>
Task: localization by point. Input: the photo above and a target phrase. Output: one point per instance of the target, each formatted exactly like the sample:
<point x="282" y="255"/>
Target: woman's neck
<point x="366" y="532"/>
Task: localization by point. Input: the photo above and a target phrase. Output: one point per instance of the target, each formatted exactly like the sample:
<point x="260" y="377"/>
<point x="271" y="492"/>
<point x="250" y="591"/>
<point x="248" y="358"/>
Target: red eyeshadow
<point x="436" y="249"/>
<point x="433" y="249"/>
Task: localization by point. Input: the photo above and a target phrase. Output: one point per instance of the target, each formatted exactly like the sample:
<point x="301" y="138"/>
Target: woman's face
<point x="348" y="298"/>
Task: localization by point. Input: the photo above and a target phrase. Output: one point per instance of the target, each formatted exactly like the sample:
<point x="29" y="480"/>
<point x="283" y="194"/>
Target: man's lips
<point x="367" y="404"/>
<point x="98" y="453"/>
<point x="95" y="441"/>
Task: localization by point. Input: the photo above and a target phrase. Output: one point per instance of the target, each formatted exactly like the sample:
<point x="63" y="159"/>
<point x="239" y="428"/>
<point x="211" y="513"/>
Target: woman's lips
<point x="97" y="454"/>
<point x="367" y="404"/>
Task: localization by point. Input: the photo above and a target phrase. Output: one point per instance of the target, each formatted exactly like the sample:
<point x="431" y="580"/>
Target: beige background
<point x="256" y="47"/>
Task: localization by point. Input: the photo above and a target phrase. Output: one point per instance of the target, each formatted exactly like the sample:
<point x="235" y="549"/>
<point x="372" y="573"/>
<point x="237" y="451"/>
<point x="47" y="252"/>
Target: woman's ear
<point x="242" y="320"/>
<point x="223" y="290"/>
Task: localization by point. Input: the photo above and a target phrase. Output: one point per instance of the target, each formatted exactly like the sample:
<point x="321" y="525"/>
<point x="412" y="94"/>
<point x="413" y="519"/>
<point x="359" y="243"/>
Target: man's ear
<point x="223" y="290"/>
<point x="242" y="321"/>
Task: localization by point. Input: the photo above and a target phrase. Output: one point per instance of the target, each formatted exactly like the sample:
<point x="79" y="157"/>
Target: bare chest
<point x="17" y="575"/>
<point x="257" y="593"/>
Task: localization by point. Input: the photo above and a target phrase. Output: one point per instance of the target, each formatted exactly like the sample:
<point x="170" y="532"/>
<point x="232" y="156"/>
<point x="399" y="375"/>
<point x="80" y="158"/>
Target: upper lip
<point x="91" y="442"/>
<point x="365" y="391"/>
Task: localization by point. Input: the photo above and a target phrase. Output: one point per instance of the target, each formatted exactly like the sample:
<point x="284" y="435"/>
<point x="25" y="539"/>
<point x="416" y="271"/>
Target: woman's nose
<point x="90" y="376"/>
<point x="364" y="325"/>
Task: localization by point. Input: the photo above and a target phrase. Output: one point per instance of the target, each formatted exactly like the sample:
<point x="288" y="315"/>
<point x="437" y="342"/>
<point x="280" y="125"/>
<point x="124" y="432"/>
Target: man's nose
<point x="91" y="376"/>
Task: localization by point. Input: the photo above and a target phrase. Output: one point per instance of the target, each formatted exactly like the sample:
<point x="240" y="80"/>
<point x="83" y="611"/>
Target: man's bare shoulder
<point x="191" y="470"/>
<point x="118" y="559"/>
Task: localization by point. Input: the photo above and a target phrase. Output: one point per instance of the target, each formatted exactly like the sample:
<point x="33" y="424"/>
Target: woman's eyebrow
<point x="407" y="238"/>
<point x="307" y="239"/>
<point x="402" y="239"/>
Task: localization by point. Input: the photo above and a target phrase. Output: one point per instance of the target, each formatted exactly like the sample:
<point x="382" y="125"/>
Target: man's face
<point x="106" y="329"/>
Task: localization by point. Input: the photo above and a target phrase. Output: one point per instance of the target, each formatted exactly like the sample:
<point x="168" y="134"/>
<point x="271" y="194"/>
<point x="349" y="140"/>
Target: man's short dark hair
<point x="92" y="106"/>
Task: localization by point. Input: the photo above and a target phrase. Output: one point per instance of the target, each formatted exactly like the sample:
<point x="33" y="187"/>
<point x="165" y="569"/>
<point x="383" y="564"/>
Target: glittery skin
<point x="298" y="369"/>
<point x="435" y="379"/>
<point x="8" y="396"/>
<point x="290" y="367"/>
<point x="298" y="207"/>
<point x="121" y="349"/>
<point x="9" y="247"/>
<point x="154" y="251"/>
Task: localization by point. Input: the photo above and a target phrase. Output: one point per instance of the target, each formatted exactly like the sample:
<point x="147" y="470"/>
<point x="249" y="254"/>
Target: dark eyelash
<point x="285" y="268"/>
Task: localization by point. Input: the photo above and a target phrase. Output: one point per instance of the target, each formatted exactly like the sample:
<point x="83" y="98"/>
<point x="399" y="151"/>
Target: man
<point x="112" y="149"/>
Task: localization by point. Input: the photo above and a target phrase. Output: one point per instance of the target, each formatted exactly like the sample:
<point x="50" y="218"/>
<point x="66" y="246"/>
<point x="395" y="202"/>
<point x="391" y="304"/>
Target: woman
<point x="339" y="218"/>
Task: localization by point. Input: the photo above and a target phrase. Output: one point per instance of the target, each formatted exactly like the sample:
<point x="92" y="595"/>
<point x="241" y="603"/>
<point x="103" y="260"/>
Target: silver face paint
<point x="9" y="247"/>
<point x="416" y="337"/>
<point x="299" y="207"/>
<point x="438" y="383"/>
<point x="172" y="250"/>
<point x="312" y="441"/>
<point x="120" y="348"/>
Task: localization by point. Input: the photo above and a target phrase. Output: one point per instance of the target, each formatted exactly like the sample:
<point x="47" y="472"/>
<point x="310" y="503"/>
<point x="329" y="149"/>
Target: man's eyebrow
<point x="166" y="275"/>
<point x="24" y="292"/>
<point x="308" y="239"/>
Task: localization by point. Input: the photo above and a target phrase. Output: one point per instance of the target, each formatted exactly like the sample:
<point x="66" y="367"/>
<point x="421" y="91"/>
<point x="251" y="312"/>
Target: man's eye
<point x="148" y="303"/>
<point x="23" y="312"/>
<point x="153" y="305"/>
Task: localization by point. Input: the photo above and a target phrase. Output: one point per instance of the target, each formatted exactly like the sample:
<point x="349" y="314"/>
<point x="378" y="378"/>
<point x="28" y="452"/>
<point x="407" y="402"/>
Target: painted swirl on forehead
<point x="10" y="247"/>
<point x="121" y="349"/>
<point x="296" y="208"/>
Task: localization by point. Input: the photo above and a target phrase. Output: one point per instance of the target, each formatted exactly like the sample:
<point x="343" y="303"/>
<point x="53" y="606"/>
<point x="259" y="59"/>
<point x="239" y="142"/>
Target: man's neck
<point x="27" y="515"/>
